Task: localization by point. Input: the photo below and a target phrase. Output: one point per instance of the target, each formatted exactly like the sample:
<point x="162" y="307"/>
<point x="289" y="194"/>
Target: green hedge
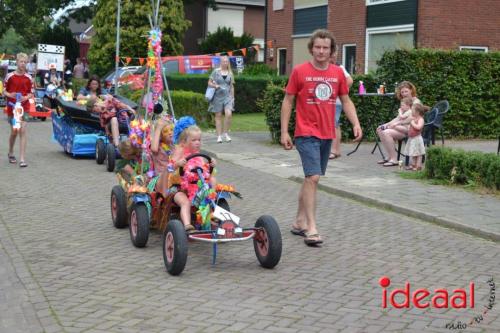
<point x="248" y="88"/>
<point x="470" y="81"/>
<point x="460" y="167"/>
<point x="270" y="104"/>
<point x="185" y="103"/>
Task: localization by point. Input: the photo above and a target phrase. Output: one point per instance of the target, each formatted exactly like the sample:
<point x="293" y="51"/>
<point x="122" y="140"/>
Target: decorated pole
<point x="117" y="55"/>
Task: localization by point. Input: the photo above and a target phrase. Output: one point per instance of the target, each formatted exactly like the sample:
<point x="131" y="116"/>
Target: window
<point x="349" y="57"/>
<point x="227" y="16"/>
<point x="277" y="4"/>
<point x="260" y="53"/>
<point x="380" y="40"/>
<point x="474" y="48"/>
<point x="379" y="2"/>
<point x="306" y="20"/>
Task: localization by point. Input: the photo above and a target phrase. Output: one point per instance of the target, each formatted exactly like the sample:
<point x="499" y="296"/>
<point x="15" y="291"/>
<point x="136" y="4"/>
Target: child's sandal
<point x="12" y="159"/>
<point x="23" y="164"/>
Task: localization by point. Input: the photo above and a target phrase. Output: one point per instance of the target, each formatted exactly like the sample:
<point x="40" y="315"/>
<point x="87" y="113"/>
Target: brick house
<point x="364" y="29"/>
<point x="240" y="15"/>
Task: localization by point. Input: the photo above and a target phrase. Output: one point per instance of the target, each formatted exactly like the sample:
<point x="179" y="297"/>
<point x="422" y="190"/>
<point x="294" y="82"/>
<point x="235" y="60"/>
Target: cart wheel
<point x="139" y="225"/>
<point x="175" y="247"/>
<point x="224" y="204"/>
<point x="100" y="151"/>
<point x="42" y="118"/>
<point x="111" y="157"/>
<point x="118" y="207"/>
<point x="267" y="241"/>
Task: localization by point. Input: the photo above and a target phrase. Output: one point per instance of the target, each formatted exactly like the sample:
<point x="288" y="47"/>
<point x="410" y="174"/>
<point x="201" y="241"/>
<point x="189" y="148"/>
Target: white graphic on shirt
<point x="323" y="91"/>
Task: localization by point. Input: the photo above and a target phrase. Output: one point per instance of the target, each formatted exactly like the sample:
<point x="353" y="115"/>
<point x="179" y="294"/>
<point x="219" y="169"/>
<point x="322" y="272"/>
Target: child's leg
<point x="182" y="200"/>
<point x="162" y="184"/>
<point x="212" y="181"/>
<point x="22" y="141"/>
<point x="418" y="162"/>
<point x="12" y="140"/>
<point x="115" y="132"/>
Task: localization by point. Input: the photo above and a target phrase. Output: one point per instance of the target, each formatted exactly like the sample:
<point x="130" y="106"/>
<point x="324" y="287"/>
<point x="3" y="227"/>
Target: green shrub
<point x="270" y="104"/>
<point x="470" y="81"/>
<point x="457" y="166"/>
<point x="259" y="69"/>
<point x="185" y="103"/>
<point x="248" y="88"/>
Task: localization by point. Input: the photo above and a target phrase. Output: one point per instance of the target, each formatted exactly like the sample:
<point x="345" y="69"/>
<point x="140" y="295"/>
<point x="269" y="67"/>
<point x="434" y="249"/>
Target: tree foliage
<point x="223" y="40"/>
<point x="61" y="35"/>
<point x="12" y="42"/>
<point x="133" y="32"/>
<point x="28" y="17"/>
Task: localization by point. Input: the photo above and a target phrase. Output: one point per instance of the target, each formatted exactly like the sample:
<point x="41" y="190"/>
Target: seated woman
<point x="92" y="90"/>
<point x="397" y="128"/>
<point x="52" y="77"/>
<point x="108" y="112"/>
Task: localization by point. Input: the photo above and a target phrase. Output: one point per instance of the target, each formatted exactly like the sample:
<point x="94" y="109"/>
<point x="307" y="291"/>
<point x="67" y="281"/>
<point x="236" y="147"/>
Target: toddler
<point x="188" y="138"/>
<point x="415" y="146"/>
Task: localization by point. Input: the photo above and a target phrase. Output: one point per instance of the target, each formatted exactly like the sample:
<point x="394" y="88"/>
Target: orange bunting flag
<point x="244" y="52"/>
<point x="256" y="47"/>
<point x="141" y="61"/>
<point x="269" y="43"/>
<point x="128" y="60"/>
<point x="230" y="53"/>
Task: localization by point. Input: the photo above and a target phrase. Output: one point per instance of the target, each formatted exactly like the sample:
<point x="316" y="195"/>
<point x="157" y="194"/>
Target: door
<point x="350" y="58"/>
<point x="281" y="61"/>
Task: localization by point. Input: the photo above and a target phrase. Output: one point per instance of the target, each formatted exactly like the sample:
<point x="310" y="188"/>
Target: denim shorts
<point x="338" y="111"/>
<point x="314" y="154"/>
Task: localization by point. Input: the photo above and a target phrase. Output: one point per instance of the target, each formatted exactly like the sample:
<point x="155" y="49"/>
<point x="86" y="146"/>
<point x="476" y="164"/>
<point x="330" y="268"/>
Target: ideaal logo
<point x="440" y="298"/>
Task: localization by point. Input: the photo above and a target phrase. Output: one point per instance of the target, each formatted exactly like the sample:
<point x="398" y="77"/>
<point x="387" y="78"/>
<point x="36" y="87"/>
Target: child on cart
<point x="161" y="153"/>
<point x="20" y="82"/>
<point x="114" y="115"/>
<point x="188" y="138"/>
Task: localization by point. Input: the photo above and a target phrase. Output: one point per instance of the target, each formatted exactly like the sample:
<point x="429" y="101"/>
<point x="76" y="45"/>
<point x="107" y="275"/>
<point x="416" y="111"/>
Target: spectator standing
<point x="16" y="82"/>
<point x="222" y="79"/>
<point x="316" y="85"/>
<point x="335" y="152"/>
<point x="78" y="70"/>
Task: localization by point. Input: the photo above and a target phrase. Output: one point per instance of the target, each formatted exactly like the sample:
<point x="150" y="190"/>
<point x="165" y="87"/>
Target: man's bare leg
<point x="309" y="191"/>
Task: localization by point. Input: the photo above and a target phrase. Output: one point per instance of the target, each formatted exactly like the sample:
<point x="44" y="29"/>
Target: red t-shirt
<point x="316" y="91"/>
<point x="18" y="83"/>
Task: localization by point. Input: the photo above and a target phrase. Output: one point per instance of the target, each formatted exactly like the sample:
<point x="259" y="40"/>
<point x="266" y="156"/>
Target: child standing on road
<point x="21" y="82"/>
<point x="188" y="138"/>
<point x="415" y="146"/>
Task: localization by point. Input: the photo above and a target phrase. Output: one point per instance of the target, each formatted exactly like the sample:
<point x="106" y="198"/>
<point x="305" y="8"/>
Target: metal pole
<point x="117" y="55"/>
<point x="265" y="31"/>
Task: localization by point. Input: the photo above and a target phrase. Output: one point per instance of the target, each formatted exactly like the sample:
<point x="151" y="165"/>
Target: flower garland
<point x="154" y="63"/>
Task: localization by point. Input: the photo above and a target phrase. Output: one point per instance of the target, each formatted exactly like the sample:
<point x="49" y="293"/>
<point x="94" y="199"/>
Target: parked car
<point x="123" y="72"/>
<point x="199" y="64"/>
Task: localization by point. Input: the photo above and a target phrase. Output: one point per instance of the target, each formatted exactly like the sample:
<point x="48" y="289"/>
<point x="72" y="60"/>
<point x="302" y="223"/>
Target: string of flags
<point x="142" y="60"/>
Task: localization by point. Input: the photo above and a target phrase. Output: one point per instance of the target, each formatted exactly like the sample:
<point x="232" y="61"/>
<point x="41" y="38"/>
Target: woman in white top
<point x="222" y="79"/>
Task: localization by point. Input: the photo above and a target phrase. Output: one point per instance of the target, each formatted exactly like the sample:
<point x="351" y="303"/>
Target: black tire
<point x="175" y="247"/>
<point x="224" y="204"/>
<point x="110" y="157"/>
<point x="100" y="151"/>
<point x="42" y="118"/>
<point x="119" y="207"/>
<point x="139" y="225"/>
<point x="268" y="247"/>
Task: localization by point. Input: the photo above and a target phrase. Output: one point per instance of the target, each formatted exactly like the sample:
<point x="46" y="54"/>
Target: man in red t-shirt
<point x="316" y="85"/>
<point x="18" y="82"/>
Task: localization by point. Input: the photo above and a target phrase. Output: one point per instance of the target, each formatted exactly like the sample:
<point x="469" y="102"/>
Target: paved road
<point x="64" y="268"/>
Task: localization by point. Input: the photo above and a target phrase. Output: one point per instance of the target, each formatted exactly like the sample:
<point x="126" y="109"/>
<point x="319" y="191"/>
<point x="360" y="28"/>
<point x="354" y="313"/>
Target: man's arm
<point x="350" y="112"/>
<point x="286" y="113"/>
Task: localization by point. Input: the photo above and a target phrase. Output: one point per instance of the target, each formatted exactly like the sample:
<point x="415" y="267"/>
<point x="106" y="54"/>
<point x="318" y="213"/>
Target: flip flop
<point x="381" y="161"/>
<point x="189" y="228"/>
<point x="12" y="159"/>
<point x="313" y="240"/>
<point x="23" y="164"/>
<point x="298" y="232"/>
<point x="390" y="163"/>
<point x="333" y="156"/>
